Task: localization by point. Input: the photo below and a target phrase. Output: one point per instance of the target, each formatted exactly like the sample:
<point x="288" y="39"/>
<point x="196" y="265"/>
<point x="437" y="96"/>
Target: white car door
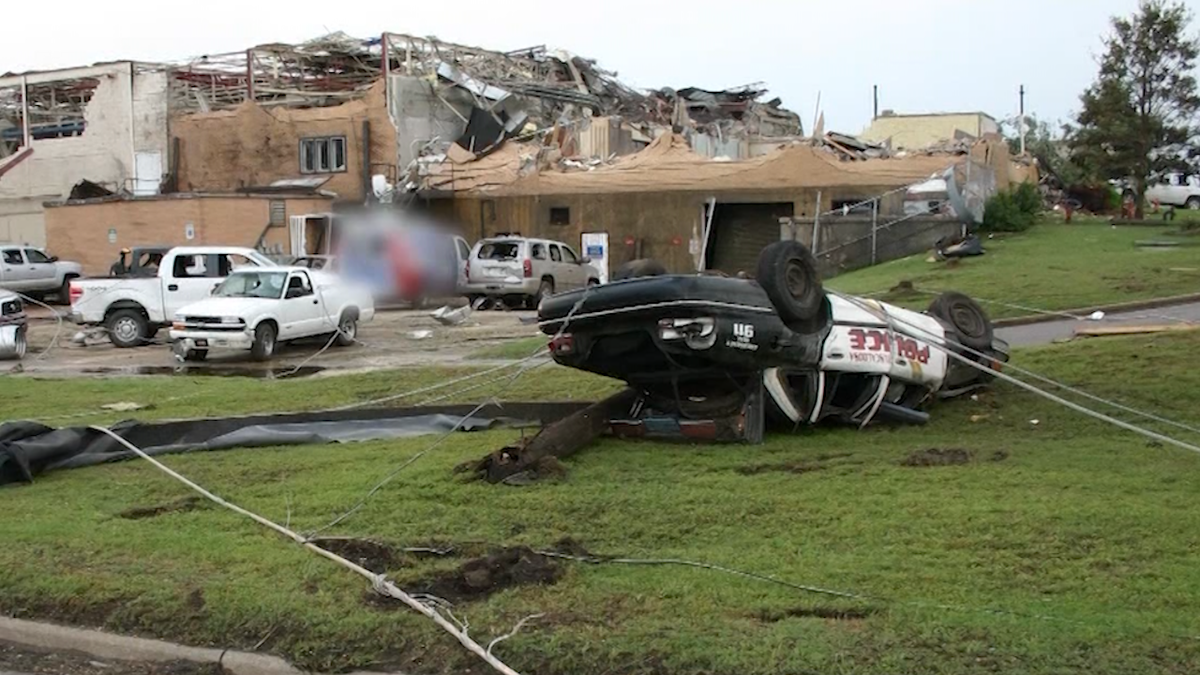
<point x="302" y="314"/>
<point x="14" y="271"/>
<point x="191" y="278"/>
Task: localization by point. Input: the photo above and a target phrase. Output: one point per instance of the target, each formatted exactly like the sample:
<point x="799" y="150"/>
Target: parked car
<point x="134" y="309"/>
<point x="13" y="326"/>
<point x="701" y="346"/>
<point x="31" y="271"/>
<point x="1176" y="189"/>
<point x="257" y="309"/>
<point x="522" y="270"/>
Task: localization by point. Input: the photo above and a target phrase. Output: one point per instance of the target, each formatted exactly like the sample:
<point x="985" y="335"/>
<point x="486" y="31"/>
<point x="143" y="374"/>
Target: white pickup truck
<point x="255" y="310"/>
<point x="133" y="309"/>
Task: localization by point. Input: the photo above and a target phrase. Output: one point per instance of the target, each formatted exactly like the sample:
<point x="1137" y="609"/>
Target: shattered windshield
<point x="252" y="285"/>
<point x="500" y="250"/>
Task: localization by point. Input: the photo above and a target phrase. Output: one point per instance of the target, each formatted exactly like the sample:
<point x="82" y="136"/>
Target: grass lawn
<point x="513" y="349"/>
<point x="1052" y="266"/>
<point x="1061" y="546"/>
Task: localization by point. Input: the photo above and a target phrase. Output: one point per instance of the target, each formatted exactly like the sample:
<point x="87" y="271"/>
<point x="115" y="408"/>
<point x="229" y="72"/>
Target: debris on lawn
<point x="420" y="334"/>
<point x="178" y="506"/>
<point x="557" y="440"/>
<point x="957" y="246"/>
<point x="126" y="406"/>
<point x="448" y="316"/>
<point x="481" y="577"/>
<point x="1142" y="329"/>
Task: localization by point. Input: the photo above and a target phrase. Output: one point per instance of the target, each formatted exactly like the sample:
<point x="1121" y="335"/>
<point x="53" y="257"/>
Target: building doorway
<point x="740" y="232"/>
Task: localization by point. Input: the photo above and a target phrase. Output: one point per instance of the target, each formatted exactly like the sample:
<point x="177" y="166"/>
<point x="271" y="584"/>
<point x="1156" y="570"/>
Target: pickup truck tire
<point x="347" y="330"/>
<point x="265" y="336"/>
<point x="127" y="328"/>
<point x="787" y="271"/>
<point x="64" y="291"/>
<point x="1193" y="203"/>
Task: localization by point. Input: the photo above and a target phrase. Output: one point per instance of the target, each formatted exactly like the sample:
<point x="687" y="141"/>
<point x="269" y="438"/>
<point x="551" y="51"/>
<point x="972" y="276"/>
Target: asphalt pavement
<point x="1064" y="329"/>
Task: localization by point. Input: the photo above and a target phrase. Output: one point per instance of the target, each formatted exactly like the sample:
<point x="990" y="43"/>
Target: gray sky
<point x="925" y="55"/>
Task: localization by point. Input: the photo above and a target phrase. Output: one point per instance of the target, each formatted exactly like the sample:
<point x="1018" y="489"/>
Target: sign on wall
<point x="595" y="246"/>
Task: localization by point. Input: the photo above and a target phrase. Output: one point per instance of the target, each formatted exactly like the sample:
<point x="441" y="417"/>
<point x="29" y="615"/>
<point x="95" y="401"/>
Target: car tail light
<point x="75" y="292"/>
<point x="562" y="345"/>
<point x="528" y="265"/>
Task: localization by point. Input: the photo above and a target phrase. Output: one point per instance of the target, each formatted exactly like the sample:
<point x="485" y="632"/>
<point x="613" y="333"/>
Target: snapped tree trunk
<point x="558" y="440"/>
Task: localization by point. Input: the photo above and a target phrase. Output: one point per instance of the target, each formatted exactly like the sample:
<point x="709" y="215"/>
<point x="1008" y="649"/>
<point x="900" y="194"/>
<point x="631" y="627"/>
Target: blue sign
<point x="594" y="251"/>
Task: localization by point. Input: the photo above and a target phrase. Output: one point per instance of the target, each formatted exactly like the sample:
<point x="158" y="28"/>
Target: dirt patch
<point x="373" y="555"/>
<point x="820" y="463"/>
<point x="178" y="506"/>
<point x="947" y="457"/>
<point x="480" y="577"/>
<point x="828" y="613"/>
<point x="937" y="457"/>
<point x="21" y="659"/>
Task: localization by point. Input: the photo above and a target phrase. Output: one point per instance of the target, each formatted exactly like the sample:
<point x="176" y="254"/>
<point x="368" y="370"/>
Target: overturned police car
<point x="718" y="357"/>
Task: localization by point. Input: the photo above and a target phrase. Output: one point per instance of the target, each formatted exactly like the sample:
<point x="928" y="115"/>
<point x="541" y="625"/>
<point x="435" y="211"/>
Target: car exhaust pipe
<point x="901" y="415"/>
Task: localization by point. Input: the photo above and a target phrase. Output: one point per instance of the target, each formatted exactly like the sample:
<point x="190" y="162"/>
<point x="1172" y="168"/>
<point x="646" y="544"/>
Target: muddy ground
<point x="392" y="340"/>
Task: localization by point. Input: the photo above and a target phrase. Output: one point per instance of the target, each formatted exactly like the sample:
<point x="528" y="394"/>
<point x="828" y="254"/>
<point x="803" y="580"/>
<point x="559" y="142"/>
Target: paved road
<point x="1043" y="333"/>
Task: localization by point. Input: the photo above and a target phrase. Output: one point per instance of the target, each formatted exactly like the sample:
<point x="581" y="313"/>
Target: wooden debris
<point x="1105" y="331"/>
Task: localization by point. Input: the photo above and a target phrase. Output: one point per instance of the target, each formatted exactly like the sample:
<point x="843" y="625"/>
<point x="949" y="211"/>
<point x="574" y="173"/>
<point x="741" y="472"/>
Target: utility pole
<point x="1022" y="119"/>
<point x="875" y="92"/>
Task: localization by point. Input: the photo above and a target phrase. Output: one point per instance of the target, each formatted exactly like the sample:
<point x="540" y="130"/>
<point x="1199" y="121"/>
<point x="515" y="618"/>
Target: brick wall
<point x="80" y="231"/>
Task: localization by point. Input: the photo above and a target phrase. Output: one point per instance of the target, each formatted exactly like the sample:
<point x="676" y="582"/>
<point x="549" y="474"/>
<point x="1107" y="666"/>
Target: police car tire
<point x="787" y="271"/>
<point x="970" y="322"/>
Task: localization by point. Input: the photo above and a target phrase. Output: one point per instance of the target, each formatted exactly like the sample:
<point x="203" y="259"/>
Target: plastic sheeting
<point x="28" y="449"/>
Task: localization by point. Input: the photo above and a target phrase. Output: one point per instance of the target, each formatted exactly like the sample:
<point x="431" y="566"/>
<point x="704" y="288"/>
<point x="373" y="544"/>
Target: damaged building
<point x="106" y="124"/>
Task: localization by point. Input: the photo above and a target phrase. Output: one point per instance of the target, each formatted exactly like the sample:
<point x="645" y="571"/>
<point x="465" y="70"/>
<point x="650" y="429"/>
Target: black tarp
<point x="30" y="448"/>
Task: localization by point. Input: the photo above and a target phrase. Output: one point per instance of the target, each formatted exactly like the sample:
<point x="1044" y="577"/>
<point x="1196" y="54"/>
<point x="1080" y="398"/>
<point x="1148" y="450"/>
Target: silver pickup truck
<point x="28" y="270"/>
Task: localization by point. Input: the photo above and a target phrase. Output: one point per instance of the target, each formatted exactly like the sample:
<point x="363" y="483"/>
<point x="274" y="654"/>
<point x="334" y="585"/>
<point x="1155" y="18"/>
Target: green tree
<point x="1048" y="146"/>
<point x="1140" y="113"/>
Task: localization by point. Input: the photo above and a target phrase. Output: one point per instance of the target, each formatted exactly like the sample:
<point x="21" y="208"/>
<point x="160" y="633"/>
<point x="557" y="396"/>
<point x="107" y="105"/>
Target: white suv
<point x="521" y="269"/>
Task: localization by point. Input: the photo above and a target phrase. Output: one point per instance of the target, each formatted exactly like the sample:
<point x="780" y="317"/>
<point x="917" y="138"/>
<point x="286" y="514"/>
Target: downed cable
<point x="379" y="582"/>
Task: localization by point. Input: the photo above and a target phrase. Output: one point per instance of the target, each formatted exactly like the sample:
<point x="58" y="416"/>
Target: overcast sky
<point x="925" y="55"/>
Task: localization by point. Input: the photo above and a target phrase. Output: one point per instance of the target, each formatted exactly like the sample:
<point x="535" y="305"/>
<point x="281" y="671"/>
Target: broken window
<point x="560" y="215"/>
<point x="539" y="252"/>
<point x="56" y="110"/>
<point x="323" y="155"/>
<point x="555" y="254"/>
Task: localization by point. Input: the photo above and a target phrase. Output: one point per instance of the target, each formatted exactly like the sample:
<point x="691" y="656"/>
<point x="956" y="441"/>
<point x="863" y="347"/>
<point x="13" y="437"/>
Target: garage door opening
<point x="740" y="232"/>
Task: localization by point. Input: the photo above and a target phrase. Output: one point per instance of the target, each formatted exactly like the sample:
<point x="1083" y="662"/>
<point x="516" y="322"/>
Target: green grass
<point x="1051" y="267"/>
<point x="513" y="349"/>
<point x="1084" y="537"/>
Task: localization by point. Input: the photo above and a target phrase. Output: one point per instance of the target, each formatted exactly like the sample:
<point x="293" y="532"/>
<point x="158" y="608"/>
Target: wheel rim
<point x="269" y="343"/>
<point x="126" y="330"/>
<point x="796" y="280"/>
<point x="1194" y="205"/>
<point x="968" y="321"/>
<point x="349" y="329"/>
<point x="22" y="345"/>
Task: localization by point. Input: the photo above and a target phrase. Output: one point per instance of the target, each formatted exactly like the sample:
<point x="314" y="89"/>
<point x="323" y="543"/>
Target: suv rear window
<point x="499" y="250"/>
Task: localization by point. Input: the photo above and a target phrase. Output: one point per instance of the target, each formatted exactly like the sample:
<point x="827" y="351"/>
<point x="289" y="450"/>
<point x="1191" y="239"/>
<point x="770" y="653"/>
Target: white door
<point x="191" y="278"/>
<point x="14" y="272"/>
<point x="296" y="235"/>
<point x="464" y="255"/>
<point x="148" y="173"/>
<point x="595" y="248"/>
<point x="302" y="314"/>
